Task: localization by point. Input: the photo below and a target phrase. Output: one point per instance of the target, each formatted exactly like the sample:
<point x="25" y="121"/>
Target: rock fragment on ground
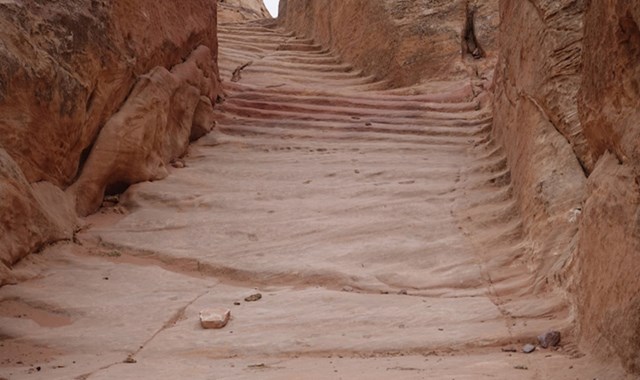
<point x="528" y="348"/>
<point x="253" y="297"/>
<point x="214" y="318"/>
<point x="549" y="339"/>
<point x="130" y="360"/>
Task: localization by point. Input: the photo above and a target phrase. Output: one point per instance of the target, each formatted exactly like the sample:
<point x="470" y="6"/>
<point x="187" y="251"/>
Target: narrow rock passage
<point x="378" y="225"/>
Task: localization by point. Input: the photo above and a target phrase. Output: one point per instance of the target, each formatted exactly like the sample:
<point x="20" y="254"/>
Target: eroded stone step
<point x="461" y="94"/>
<point x="398" y="103"/>
<point x="422" y="118"/>
<point x="359" y="126"/>
<point x="349" y="110"/>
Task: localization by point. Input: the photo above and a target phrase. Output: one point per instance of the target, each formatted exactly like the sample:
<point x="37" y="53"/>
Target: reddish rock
<point x="566" y="94"/>
<point x="535" y="120"/>
<point x="608" y="263"/>
<point x="549" y="339"/>
<point x="66" y="69"/>
<point x="152" y="127"/>
<point x="81" y="60"/>
<point x="609" y="246"/>
<point x="214" y="318"/>
<point x="609" y="97"/>
<point x="404" y="42"/>
<point x="30" y="217"/>
<point x="241" y="10"/>
<point x="203" y="119"/>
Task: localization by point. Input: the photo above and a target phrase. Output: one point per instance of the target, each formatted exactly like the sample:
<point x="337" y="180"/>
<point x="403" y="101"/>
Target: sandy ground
<point x="378" y="225"/>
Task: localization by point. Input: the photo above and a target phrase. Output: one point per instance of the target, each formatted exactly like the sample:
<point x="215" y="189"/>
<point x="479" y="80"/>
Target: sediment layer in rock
<point x="67" y="68"/>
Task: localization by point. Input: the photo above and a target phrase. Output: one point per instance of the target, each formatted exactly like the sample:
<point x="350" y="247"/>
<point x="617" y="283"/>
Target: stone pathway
<point x="377" y="224"/>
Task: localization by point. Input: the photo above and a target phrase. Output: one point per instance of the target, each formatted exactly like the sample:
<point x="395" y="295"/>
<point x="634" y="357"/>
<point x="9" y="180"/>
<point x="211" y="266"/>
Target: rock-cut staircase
<point x="377" y="223"/>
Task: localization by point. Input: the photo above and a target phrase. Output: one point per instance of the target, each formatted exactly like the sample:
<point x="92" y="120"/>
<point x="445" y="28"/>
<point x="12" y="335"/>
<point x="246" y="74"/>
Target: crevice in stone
<point x="470" y="44"/>
<point x="175" y="318"/>
<point x="540" y="108"/>
<point x="84" y="156"/>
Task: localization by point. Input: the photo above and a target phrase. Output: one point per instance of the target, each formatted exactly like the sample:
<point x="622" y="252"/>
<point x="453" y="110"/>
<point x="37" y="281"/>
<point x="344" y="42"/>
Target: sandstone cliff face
<point x="66" y="69"/>
<point x="404" y="42"/>
<point x="29" y="216"/>
<point x="78" y="65"/>
<point x="97" y="95"/>
<point x="535" y="119"/>
<point x="566" y="94"/>
<point x="567" y="112"/>
<point x="241" y="10"/>
<point x="609" y="109"/>
<point x="153" y="126"/>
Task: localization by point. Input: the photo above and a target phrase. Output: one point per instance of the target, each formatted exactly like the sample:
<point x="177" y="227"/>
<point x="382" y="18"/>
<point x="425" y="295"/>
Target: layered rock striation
<point x="404" y="42"/>
<point x="241" y="10"/>
<point x="75" y="89"/>
<point x="567" y="107"/>
<point x="564" y="80"/>
<point x="96" y="95"/>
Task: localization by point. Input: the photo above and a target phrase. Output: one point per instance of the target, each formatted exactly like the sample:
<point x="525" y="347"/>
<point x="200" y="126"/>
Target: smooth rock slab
<point x="214" y="318"/>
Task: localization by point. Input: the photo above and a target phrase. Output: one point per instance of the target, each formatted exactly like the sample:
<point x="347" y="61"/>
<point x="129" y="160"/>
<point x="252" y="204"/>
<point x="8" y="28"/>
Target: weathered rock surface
<point x="315" y="180"/>
<point x="536" y="84"/>
<point x="565" y="91"/>
<point x="609" y="98"/>
<point x="404" y="42"/>
<point x="609" y="241"/>
<point x="214" y="318"/>
<point x="154" y="125"/>
<point x="608" y="263"/>
<point x="81" y="60"/>
<point x="566" y="94"/>
<point x="549" y="339"/>
<point x="241" y="10"/>
<point x="549" y="200"/>
<point x="30" y="217"/>
<point x="67" y="67"/>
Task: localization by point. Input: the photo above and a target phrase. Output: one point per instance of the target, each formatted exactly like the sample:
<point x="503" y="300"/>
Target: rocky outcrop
<point x="535" y="119"/>
<point x="567" y="111"/>
<point x="404" y="42"/>
<point x="78" y="66"/>
<point x="608" y="263"/>
<point x="566" y="96"/>
<point x="30" y="216"/>
<point x="241" y="10"/>
<point x="104" y="94"/>
<point x="153" y="126"/>
<point x="67" y="67"/>
<point x="609" y="250"/>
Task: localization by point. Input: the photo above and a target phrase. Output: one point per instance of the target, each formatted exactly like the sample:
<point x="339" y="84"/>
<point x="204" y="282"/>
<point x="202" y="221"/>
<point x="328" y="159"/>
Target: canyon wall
<point x="75" y="85"/>
<point x="241" y="10"/>
<point x="96" y="95"/>
<point x="567" y="109"/>
<point x="609" y="108"/>
<point x="536" y="83"/>
<point x="565" y="89"/>
<point x="401" y="41"/>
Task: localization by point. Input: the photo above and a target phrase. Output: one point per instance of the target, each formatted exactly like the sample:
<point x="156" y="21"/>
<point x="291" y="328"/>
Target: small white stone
<point x="214" y="318"/>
